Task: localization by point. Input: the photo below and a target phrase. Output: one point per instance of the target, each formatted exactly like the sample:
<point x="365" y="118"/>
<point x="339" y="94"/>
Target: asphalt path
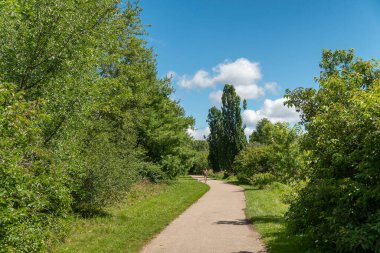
<point x="215" y="223"/>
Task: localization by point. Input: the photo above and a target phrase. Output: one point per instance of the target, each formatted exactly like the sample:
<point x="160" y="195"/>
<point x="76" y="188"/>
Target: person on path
<point x="205" y="174"/>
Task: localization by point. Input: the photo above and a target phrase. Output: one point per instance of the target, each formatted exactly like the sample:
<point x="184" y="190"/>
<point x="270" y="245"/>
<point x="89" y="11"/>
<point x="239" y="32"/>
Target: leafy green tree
<point x="233" y="138"/>
<point x="45" y="46"/>
<point x="274" y="150"/>
<point x="200" y="160"/>
<point x="214" y="140"/>
<point x="227" y="136"/>
<point x="263" y="133"/>
<point x="339" y="208"/>
<point x="83" y="114"/>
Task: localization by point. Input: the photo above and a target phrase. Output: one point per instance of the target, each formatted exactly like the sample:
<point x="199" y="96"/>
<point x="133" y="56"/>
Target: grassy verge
<point x="266" y="210"/>
<point x="127" y="227"/>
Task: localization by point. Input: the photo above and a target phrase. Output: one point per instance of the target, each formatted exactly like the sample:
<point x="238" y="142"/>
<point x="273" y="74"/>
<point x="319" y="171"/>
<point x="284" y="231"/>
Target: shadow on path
<point x="234" y="222"/>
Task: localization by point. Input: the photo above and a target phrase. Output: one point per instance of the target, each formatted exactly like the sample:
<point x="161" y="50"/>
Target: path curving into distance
<point x="215" y="223"/>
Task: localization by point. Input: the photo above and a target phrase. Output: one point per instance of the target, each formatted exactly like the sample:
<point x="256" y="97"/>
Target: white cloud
<point x="199" y="134"/>
<point x="216" y="97"/>
<point x="201" y="79"/>
<point x="242" y="73"/>
<point x="272" y="87"/>
<point x="248" y="131"/>
<point x="274" y="110"/>
<point x="249" y="91"/>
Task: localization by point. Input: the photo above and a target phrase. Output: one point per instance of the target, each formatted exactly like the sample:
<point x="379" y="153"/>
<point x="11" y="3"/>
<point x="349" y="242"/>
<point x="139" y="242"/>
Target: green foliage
<point x="339" y="207"/>
<point x="233" y="137"/>
<point x="214" y="120"/>
<point x="227" y="136"/>
<point x="273" y="150"/>
<point x="200" y="160"/>
<point x="251" y="161"/>
<point x="33" y="197"/>
<point x="83" y="115"/>
<point x="263" y="133"/>
<point x="262" y="179"/>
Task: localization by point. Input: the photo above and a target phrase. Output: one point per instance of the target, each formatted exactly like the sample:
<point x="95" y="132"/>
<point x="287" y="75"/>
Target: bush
<point x="252" y="160"/>
<point x="104" y="170"/>
<point x="262" y="179"/>
<point x="153" y="173"/>
<point x="219" y="175"/>
<point x="274" y="149"/>
<point x="295" y="187"/>
<point x="199" y="163"/>
<point x="172" y="166"/>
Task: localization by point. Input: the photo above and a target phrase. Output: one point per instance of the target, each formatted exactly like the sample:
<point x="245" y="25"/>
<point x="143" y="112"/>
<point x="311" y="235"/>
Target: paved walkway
<point x="215" y="223"/>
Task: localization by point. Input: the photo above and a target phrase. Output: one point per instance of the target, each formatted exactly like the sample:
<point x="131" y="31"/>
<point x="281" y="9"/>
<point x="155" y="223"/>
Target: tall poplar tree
<point x="226" y="137"/>
<point x="233" y="138"/>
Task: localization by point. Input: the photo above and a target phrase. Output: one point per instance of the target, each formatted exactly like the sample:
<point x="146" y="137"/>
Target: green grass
<point x="127" y="227"/>
<point x="266" y="210"/>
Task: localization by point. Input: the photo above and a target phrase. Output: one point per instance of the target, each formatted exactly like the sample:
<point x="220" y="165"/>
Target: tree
<point x="263" y="133"/>
<point x="83" y="115"/>
<point x="214" y="139"/>
<point x="273" y="150"/>
<point x="233" y="138"/>
<point x="200" y="156"/>
<point x="47" y="53"/>
<point x="227" y="136"/>
<point x="339" y="208"/>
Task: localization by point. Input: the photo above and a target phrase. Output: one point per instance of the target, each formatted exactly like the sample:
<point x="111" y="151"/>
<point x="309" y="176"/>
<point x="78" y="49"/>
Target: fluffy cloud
<point x="201" y="79"/>
<point x="274" y="110"/>
<point x="216" y="97"/>
<point x="249" y="91"/>
<point x="242" y="73"/>
<point x="199" y="134"/>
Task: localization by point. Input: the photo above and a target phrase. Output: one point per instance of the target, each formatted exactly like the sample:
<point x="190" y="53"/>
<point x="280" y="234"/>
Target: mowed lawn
<point x="126" y="228"/>
<point x="266" y="210"/>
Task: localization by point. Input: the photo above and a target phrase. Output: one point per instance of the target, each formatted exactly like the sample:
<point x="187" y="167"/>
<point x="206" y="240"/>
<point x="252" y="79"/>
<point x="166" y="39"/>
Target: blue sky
<point x="262" y="46"/>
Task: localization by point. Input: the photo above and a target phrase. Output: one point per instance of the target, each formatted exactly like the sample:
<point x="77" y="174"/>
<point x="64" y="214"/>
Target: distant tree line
<point x="331" y="159"/>
<point x="82" y="115"/>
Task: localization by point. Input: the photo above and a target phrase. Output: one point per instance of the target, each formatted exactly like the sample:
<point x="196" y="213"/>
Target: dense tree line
<point x="82" y="115"/>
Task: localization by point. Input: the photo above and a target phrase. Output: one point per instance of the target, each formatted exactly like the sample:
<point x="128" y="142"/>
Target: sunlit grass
<point x="266" y="210"/>
<point x="127" y="227"/>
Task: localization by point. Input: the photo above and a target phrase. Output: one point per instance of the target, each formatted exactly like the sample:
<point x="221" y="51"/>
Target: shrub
<point x="153" y="173"/>
<point x="200" y="162"/>
<point x="262" y="179"/>
<point x="252" y="160"/>
<point x="273" y="149"/>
